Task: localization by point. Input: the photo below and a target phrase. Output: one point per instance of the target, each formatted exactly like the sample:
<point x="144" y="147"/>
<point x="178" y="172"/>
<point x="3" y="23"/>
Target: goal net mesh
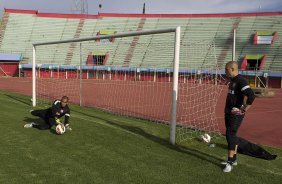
<point x="132" y="76"/>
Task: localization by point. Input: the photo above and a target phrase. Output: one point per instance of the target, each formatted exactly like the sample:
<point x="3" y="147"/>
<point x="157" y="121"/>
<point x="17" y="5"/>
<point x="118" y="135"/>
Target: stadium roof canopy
<point x="10" y="57"/>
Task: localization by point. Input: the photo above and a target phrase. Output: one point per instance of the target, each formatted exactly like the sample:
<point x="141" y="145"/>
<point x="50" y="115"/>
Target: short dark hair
<point x="65" y="99"/>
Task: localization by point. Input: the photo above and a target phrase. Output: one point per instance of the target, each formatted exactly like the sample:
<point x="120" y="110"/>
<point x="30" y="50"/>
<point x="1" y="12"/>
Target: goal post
<point x="160" y="75"/>
<point x="175" y="86"/>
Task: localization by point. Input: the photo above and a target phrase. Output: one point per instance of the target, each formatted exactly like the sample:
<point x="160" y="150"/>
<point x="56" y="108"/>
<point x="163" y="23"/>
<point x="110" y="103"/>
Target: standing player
<point x="235" y="108"/>
<point x="52" y="115"/>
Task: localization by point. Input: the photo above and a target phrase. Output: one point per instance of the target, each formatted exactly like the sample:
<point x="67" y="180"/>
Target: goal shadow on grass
<point x="19" y="99"/>
<point x="139" y="131"/>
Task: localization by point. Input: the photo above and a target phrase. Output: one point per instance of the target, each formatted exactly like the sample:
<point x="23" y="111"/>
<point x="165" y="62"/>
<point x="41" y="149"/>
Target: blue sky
<point x="152" y="6"/>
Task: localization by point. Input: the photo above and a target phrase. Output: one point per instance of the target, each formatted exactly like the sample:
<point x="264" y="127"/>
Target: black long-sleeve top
<point x="238" y="88"/>
<point x="57" y="111"/>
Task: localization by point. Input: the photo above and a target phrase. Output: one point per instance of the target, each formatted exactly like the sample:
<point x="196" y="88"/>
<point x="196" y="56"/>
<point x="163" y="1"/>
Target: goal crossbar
<point x="127" y="34"/>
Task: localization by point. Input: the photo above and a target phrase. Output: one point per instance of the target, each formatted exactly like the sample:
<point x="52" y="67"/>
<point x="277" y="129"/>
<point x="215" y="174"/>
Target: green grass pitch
<point x="104" y="148"/>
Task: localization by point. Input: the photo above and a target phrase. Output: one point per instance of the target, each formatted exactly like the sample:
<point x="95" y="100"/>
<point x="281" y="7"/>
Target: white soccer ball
<point x="206" y="138"/>
<point x="60" y="129"/>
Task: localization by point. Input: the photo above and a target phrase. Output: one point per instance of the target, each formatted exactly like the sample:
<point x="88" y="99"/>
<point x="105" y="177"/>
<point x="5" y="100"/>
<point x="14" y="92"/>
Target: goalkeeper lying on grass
<point x="52" y="115"/>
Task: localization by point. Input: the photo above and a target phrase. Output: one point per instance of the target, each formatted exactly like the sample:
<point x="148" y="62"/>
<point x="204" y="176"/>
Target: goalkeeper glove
<point x="58" y="121"/>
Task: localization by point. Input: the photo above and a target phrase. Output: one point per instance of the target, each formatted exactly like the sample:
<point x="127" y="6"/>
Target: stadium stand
<point x="20" y="28"/>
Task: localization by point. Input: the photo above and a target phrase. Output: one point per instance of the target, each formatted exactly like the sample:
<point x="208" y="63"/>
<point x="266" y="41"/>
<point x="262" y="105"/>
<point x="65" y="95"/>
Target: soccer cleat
<point x="225" y="163"/>
<point x="29" y="125"/>
<point x="227" y="168"/>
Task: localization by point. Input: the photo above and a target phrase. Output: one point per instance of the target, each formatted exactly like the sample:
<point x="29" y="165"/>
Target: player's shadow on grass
<point x="19" y="99"/>
<point x="38" y="121"/>
<point x="164" y="142"/>
<point x="136" y="130"/>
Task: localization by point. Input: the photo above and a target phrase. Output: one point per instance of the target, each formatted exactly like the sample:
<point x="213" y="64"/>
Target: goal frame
<point x="176" y="31"/>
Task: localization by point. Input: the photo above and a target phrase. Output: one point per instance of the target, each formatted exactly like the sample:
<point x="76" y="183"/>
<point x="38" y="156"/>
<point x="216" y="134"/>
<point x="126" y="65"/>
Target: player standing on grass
<point x="52" y="115"/>
<point x="235" y="109"/>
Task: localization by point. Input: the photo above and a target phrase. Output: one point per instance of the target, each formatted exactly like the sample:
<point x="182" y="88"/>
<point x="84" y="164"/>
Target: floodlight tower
<point x="80" y="6"/>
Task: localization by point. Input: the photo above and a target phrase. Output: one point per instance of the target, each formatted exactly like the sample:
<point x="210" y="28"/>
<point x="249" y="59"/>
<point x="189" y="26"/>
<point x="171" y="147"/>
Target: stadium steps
<point x="133" y="44"/>
<point x="53" y="29"/>
<point x="120" y="51"/>
<point x="88" y="29"/>
<point x="228" y="42"/>
<point x="73" y="45"/>
<point x="3" y="26"/>
<point x="243" y="38"/>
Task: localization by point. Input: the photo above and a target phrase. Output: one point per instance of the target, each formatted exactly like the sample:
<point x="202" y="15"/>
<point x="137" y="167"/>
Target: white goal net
<point x="134" y="76"/>
<point x="199" y="90"/>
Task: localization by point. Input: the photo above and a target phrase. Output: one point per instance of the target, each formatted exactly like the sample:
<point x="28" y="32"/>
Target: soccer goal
<point x="141" y="74"/>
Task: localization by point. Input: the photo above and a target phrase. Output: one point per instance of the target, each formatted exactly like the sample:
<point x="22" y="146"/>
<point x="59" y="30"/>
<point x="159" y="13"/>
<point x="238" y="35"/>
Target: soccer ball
<point x="206" y="138"/>
<point x="60" y="129"/>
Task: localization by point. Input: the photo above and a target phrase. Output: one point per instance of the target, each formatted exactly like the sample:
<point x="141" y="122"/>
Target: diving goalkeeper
<point x="52" y="115"/>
